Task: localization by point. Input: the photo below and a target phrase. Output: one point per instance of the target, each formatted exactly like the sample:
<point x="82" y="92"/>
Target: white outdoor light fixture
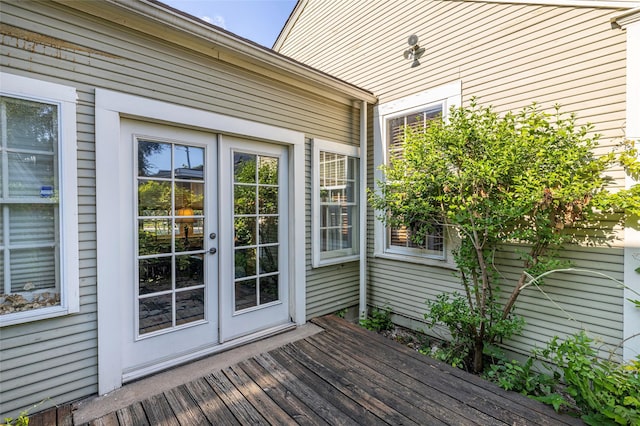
<point x="414" y="52"/>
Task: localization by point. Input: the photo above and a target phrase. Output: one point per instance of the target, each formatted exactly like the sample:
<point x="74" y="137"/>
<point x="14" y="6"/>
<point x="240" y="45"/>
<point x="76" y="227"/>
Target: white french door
<point x="171" y="307"/>
<point x="254" y="257"/>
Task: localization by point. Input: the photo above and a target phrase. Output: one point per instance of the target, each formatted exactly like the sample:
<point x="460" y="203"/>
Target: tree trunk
<point x="478" y="350"/>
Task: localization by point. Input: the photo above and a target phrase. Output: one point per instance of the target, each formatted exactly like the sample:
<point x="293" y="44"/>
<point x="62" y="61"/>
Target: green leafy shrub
<point x="602" y="392"/>
<point x="454" y="312"/>
<point x="605" y="392"/>
<point x="379" y="320"/>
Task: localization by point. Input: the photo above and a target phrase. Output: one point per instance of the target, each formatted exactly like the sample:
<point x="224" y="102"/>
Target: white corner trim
<point x="631" y="314"/>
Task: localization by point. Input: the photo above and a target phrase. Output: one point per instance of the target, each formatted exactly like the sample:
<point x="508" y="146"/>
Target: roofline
<point x="288" y="26"/>
<point x="226" y="43"/>
<point x="625" y="18"/>
<point x="598" y="4"/>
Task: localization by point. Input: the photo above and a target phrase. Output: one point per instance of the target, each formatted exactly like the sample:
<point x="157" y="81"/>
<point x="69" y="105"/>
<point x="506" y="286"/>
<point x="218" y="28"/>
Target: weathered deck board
<point x="344" y="375"/>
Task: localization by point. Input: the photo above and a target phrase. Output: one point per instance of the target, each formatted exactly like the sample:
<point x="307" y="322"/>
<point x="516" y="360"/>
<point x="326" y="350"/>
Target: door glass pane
<point x="154" y="236"/>
<point x="256" y="260"/>
<point x="156" y="313"/>
<point x="244" y="168"/>
<point x="154" y="198"/>
<point x="154" y="275"/>
<point x="245" y="231"/>
<point x="246" y="294"/>
<point x="189" y="162"/>
<point x="189" y="306"/>
<point x="189" y="270"/>
<point x="154" y="159"/>
<point x="269" y="289"/>
<point x="171" y="229"/>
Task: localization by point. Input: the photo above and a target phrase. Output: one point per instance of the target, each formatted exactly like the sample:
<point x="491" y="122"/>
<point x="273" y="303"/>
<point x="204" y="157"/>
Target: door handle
<point x="213" y="250"/>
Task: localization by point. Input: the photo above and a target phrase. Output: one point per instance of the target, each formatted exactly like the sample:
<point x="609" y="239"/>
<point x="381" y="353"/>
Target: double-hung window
<point x="336" y="190"/>
<point x="401" y="239"/>
<point x="392" y="121"/>
<point x="38" y="200"/>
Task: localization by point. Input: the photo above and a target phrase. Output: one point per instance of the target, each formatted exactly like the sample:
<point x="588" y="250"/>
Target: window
<point x="335" y="200"/>
<point x="38" y="207"/>
<point x="401" y="239"/>
<point x="392" y="119"/>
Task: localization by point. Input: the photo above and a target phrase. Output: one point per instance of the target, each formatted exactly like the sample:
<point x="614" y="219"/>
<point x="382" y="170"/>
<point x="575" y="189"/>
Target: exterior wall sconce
<point x="414" y="52"/>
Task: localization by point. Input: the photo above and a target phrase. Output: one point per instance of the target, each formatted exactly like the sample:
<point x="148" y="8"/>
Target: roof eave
<point x="224" y="44"/>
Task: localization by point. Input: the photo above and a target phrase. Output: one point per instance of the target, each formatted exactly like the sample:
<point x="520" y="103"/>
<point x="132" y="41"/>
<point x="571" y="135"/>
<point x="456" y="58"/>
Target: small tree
<point x="530" y="178"/>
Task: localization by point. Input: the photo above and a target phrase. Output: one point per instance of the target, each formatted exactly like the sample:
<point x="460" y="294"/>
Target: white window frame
<point x="65" y="97"/>
<point x="341" y="149"/>
<point x="448" y="95"/>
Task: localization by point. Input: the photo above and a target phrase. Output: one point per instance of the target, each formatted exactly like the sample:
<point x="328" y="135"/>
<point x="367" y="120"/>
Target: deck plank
<point x="239" y="406"/>
<point x="109" y="420"/>
<point x="44" y="418"/>
<point x="133" y="415"/>
<point x="211" y="405"/>
<point x="159" y="411"/>
<point x="271" y="411"/>
<point x="324" y="407"/>
<point x="185" y="408"/>
<point x="300" y="412"/>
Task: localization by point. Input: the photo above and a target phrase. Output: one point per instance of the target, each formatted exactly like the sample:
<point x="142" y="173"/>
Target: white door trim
<point x="110" y="106"/>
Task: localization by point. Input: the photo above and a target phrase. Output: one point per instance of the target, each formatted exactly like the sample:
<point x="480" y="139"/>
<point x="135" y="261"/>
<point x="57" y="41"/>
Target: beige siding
<point x="57" y="359"/>
<point x="506" y="55"/>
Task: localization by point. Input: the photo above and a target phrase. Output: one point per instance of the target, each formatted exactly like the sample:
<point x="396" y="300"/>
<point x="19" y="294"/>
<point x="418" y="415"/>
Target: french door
<point x="206" y="240"/>
<point x="172" y="304"/>
<point x="254" y="256"/>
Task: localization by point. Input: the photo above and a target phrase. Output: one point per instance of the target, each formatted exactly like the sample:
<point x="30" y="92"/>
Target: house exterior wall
<point x="56" y="359"/>
<point x="507" y="55"/>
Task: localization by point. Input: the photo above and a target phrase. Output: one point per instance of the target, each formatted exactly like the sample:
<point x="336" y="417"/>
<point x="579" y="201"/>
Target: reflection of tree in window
<point x="256" y="213"/>
<point x="29" y="205"/>
<point x="397" y="128"/>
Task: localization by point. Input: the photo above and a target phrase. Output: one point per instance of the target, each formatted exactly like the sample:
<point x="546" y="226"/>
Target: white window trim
<point x="66" y="99"/>
<point x="448" y="95"/>
<point x="336" y="148"/>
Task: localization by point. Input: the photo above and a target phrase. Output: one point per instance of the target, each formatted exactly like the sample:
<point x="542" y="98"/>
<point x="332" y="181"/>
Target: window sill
<point x="428" y="261"/>
<point x="336" y="261"/>
<point x="33" y="315"/>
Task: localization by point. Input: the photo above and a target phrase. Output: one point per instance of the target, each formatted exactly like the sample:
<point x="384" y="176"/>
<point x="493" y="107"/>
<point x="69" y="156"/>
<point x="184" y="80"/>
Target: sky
<point x="257" y="20"/>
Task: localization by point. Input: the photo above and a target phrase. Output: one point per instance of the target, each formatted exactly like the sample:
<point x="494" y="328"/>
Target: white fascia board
<point x="599" y="4"/>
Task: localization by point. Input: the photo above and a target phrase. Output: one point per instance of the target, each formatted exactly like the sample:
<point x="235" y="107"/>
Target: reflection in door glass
<point x="171" y="229"/>
<point x="256" y="209"/>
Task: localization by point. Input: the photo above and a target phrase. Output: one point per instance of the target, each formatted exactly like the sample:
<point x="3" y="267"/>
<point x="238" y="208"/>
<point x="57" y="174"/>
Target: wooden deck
<point x="344" y="375"/>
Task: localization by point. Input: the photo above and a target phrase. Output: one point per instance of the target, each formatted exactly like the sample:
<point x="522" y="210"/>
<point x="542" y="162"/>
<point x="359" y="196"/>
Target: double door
<point x="208" y="250"/>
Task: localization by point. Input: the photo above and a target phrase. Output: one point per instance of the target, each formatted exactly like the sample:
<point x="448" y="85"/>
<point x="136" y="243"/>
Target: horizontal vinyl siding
<point x="56" y="358"/>
<point x="508" y="56"/>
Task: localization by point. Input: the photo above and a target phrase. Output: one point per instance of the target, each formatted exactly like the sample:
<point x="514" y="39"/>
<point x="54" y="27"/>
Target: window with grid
<point x="401" y="239"/>
<point x="336" y="194"/>
<point x="37" y="275"/>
